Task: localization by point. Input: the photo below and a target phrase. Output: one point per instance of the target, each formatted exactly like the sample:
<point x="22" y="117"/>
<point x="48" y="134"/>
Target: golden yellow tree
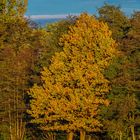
<point x="74" y="87"/>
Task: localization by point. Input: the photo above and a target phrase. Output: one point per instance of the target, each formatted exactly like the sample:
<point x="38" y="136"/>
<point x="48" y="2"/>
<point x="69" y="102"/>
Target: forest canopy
<point x="78" y="78"/>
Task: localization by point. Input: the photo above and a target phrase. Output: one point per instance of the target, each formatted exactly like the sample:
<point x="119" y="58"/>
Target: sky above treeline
<point x="60" y="8"/>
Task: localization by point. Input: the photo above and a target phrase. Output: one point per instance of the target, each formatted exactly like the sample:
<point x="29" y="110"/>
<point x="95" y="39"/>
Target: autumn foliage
<point x="76" y="77"/>
<point x="74" y="87"/>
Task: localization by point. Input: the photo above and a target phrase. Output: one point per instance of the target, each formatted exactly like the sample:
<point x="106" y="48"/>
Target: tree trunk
<point x="82" y="135"/>
<point x="10" y="123"/>
<point x="133" y="132"/>
<point x="88" y="137"/>
<point x="22" y="130"/>
<point x="70" y="136"/>
<point x="120" y="136"/>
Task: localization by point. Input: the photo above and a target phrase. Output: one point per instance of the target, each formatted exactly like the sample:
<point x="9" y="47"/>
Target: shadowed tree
<point x="20" y="47"/>
<point x="123" y="112"/>
<point x="117" y="21"/>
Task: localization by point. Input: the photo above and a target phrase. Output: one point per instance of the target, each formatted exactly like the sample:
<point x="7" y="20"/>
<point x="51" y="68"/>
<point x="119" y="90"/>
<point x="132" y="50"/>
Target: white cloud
<point x="51" y="16"/>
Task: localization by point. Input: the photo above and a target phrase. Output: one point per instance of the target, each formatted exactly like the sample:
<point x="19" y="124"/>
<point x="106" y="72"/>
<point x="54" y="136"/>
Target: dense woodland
<point x="78" y="78"/>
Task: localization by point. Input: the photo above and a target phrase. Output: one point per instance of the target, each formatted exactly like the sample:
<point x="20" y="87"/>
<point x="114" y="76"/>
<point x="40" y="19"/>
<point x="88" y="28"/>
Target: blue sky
<point x="62" y="7"/>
